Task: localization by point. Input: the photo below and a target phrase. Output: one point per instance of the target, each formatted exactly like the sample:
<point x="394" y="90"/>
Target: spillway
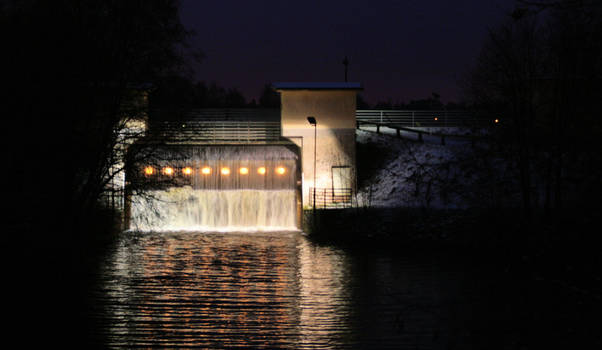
<point x="217" y="188"/>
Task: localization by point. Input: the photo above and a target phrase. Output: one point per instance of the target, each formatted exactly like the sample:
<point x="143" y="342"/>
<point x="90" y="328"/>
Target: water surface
<point x="281" y="290"/>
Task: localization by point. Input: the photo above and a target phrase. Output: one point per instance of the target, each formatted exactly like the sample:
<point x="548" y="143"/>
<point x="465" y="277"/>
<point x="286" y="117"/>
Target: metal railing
<point x="424" y="118"/>
<point x="217" y="125"/>
<point x="113" y="199"/>
<point x="220" y="114"/>
<point x="330" y="198"/>
<point x="247" y="125"/>
<point x="217" y="131"/>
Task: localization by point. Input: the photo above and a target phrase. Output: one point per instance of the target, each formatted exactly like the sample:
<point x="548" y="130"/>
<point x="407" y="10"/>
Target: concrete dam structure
<point x="246" y="169"/>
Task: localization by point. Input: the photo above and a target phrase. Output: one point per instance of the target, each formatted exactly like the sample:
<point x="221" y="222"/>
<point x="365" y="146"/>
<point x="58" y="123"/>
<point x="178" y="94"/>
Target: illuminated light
<point x="206" y="170"/>
<point x="496" y="120"/>
<point x="225" y="171"/>
<point x="187" y="170"/>
<point x="261" y="170"/>
<point x="149" y="170"/>
<point x="168" y="170"/>
<point x="436" y="118"/>
<point x="243" y="170"/>
<point x="281" y="170"/>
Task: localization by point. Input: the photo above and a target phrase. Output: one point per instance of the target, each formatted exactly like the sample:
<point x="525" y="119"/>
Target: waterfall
<point x="218" y="188"/>
<point x="210" y="210"/>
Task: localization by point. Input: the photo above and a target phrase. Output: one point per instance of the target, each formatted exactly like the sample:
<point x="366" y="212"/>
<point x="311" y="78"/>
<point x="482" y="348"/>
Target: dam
<point x="200" y="188"/>
<point x="245" y="169"/>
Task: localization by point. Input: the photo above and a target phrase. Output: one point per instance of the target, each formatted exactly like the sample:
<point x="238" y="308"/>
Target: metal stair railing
<point x="330" y="198"/>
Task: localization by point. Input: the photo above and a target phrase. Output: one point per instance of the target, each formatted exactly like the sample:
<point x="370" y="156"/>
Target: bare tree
<point x="541" y="71"/>
<point x="72" y="66"/>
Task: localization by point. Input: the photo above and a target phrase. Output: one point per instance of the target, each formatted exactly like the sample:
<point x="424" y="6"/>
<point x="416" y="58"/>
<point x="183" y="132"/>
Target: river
<point x="282" y="290"/>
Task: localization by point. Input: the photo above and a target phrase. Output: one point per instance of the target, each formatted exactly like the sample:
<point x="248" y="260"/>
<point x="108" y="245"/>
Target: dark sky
<point x="398" y="49"/>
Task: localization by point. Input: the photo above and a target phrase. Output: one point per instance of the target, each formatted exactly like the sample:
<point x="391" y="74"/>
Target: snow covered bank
<point x="453" y="135"/>
<point x="428" y="174"/>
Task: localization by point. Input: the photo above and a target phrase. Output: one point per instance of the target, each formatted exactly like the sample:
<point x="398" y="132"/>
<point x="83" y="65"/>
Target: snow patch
<point x="416" y="174"/>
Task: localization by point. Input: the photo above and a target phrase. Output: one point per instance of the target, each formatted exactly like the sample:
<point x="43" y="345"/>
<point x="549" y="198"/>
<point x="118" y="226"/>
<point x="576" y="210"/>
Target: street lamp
<point x="312" y="121"/>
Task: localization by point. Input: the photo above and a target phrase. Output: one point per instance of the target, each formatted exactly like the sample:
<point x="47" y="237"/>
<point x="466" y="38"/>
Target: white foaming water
<point x="188" y="209"/>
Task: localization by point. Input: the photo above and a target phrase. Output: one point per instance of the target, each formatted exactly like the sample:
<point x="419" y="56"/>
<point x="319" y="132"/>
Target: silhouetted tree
<point x="234" y="99"/>
<point x="269" y="97"/>
<point x="70" y="67"/>
<point x="388" y="104"/>
<point x="181" y="93"/>
<point x="541" y="72"/>
<point x="176" y="92"/>
<point x="361" y="103"/>
<point x="433" y="102"/>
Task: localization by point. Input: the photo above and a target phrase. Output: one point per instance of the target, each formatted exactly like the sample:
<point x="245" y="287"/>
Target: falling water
<point x="258" y="199"/>
<point x="212" y="210"/>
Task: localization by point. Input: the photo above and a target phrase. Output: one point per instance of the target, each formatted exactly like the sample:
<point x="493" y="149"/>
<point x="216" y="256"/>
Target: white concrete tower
<point x="333" y="106"/>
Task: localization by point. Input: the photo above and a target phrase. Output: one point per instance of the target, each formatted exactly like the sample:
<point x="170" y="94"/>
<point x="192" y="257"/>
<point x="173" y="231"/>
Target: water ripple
<point x="253" y="290"/>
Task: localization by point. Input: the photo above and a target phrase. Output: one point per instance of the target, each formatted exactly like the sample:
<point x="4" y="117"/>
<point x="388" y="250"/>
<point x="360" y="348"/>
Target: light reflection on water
<point x="259" y="290"/>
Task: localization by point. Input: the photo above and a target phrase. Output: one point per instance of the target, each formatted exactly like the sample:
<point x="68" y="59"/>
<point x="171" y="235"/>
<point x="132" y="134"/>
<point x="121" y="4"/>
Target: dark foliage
<point x="361" y="103"/>
<point x="179" y="92"/>
<point x="432" y="102"/>
<point x="269" y="97"/>
<point x="371" y="157"/>
<point x="541" y="72"/>
<point x="70" y="68"/>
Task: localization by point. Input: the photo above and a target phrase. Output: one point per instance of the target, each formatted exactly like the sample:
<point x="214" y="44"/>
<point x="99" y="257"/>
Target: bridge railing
<point x="330" y="198"/>
<point x="423" y="118"/>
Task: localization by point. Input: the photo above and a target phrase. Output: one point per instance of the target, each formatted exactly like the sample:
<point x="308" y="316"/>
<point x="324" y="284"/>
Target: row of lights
<point x="149" y="170"/>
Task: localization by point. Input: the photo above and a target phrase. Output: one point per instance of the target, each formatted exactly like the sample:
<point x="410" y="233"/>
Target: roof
<point x="317" y="86"/>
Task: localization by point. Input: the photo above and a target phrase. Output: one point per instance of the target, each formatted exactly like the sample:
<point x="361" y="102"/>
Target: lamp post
<point x="312" y="121"/>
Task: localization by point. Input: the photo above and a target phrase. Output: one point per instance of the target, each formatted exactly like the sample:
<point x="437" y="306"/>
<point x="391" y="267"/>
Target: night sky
<point x="400" y="50"/>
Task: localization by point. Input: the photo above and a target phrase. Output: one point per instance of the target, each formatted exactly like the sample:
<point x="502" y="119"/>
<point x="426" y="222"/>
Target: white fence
<point x="424" y="118"/>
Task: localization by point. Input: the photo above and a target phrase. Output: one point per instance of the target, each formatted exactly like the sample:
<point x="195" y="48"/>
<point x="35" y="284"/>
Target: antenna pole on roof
<point x="346" y="64"/>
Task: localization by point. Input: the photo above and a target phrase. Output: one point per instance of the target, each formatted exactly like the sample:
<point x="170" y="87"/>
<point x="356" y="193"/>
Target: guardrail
<point x="419" y="132"/>
<point x="424" y="118"/>
<point x="330" y="198"/>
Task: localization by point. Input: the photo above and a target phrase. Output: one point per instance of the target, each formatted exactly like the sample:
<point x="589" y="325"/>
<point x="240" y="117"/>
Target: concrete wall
<point x="334" y="111"/>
